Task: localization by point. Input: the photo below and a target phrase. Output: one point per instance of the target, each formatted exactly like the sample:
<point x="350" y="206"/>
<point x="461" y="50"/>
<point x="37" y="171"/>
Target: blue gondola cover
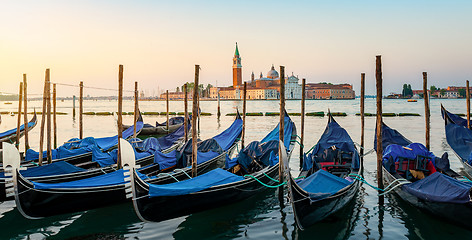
<point x="396" y="151"/>
<point x="440" y="188"/>
<point x="13" y="131"/>
<point x="322" y="184"/>
<point x="109" y="179"/>
<point x="391" y="136"/>
<point x="215" y="177"/>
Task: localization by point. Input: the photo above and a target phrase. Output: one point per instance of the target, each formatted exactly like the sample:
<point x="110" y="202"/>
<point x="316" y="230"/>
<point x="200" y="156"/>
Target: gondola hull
<point x="309" y="212"/>
<point x="34" y="203"/>
<point x="156" y="131"/>
<point x="168" y="207"/>
<point x="457" y="213"/>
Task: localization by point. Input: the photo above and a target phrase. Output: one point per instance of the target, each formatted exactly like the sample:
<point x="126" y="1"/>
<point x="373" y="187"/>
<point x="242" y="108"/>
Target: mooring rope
<point x="265" y="185"/>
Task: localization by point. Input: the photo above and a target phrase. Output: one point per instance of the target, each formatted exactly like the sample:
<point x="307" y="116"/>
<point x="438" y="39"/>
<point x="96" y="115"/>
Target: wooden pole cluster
<point x="135" y="108"/>
<point x="362" y="116"/>
<point x="20" y="101"/>
<point x="81" y="110"/>
<point x="25" y="107"/>
<point x="378" y="78"/>
<point x="120" y="113"/>
<point x="281" y="130"/>
<point x="167" y="110"/>
<point x="194" y="121"/>
<point x="467" y="92"/>
<point x="54" y="108"/>
<point x="243" y="133"/>
<point x="186" y="112"/>
<point x="48" y="119"/>
<point x="426" y="108"/>
<point x="43" y="120"/>
<point x="303" y="124"/>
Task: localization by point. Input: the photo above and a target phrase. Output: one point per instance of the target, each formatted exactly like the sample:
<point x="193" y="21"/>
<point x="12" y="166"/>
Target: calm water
<point x="260" y="217"/>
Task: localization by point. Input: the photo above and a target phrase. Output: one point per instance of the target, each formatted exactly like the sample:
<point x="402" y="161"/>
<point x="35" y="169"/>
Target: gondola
<point x="459" y="138"/>
<point x="36" y="200"/>
<point x="160" y="128"/>
<point x="10" y="135"/>
<point x="240" y="179"/>
<point x="79" y="152"/>
<point x="101" y="162"/>
<point x="425" y="181"/>
<point x="327" y="181"/>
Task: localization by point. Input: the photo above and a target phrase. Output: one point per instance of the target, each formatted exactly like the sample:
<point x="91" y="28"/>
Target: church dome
<point x="292" y="78"/>
<point x="272" y="73"/>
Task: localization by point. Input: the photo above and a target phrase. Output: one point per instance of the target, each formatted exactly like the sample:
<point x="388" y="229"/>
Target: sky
<point x="159" y="42"/>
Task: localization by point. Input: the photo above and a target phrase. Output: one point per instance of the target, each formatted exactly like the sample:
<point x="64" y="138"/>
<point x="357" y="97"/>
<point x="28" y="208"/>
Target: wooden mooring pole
<point x="378" y="78"/>
<point x="426" y="109"/>
<point x="25" y="107"/>
<point x="218" y="114"/>
<point x="48" y="117"/>
<point x="81" y="110"/>
<point x="43" y="120"/>
<point x="302" y="133"/>
<point x="186" y="112"/>
<point x="362" y="117"/>
<point x="243" y="133"/>
<point x="467" y="92"/>
<point x="194" y="122"/>
<point x="120" y="113"/>
<point x="20" y="101"/>
<point x="135" y="108"/>
<point x="281" y="131"/>
<point x="54" y="108"/>
<point x="167" y="110"/>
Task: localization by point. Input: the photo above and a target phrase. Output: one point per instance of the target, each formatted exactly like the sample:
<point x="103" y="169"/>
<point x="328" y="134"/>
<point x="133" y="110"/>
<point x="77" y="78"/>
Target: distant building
<point x="177" y="95"/>
<point x="329" y="91"/>
<point x="262" y="88"/>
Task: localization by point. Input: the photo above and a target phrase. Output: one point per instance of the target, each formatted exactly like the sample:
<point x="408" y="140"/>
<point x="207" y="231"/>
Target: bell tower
<point x="237" y="68"/>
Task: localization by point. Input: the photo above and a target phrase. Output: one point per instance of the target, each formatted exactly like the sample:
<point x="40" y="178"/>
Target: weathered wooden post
<point x="120" y="113"/>
<point x="362" y="117"/>
<point x="167" y="110"/>
<point x="48" y="132"/>
<point x="303" y="124"/>
<point x="194" y="122"/>
<point x="378" y="78"/>
<point x="25" y="107"/>
<point x="81" y="110"/>
<point x="426" y="108"/>
<point x="135" y="108"/>
<point x="281" y="131"/>
<point x="467" y="92"/>
<point x="20" y="101"/>
<point x="219" y="109"/>
<point x="73" y="106"/>
<point x="54" y="120"/>
<point x="43" y="120"/>
<point x="186" y="112"/>
<point x="244" y="115"/>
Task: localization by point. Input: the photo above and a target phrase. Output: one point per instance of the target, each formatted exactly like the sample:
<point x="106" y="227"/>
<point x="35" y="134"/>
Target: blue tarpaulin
<point x="460" y="140"/>
<point x="274" y="134"/>
<point x="213" y="178"/>
<point x="109" y="179"/>
<point x="396" y="151"/>
<point x="172" y="121"/>
<point x="391" y="136"/>
<point x="55" y="168"/>
<point x="322" y="184"/>
<point x="229" y="136"/>
<point x="170" y="139"/>
<point x="13" y="131"/>
<point x="334" y="135"/>
<point x="439" y="187"/>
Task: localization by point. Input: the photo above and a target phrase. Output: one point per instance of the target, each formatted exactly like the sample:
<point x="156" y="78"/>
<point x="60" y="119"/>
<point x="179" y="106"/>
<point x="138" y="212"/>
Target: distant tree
<point x="410" y="91"/>
<point x="462" y="92"/>
<point x="177" y="89"/>
<point x="442" y="92"/>
<point x="433" y="89"/>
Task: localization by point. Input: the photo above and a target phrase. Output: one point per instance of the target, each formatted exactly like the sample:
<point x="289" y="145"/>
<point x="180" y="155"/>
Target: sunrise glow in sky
<point x="159" y="42"/>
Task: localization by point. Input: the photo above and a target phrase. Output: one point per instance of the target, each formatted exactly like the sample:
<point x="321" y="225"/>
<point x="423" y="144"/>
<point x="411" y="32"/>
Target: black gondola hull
<point x="457" y="213"/>
<point x="167" y="207"/>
